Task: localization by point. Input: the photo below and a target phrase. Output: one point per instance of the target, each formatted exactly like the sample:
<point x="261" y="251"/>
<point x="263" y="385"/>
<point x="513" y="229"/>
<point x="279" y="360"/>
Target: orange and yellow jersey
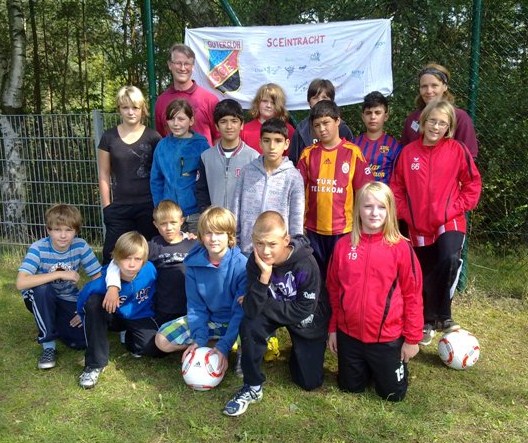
<point x="330" y="178"/>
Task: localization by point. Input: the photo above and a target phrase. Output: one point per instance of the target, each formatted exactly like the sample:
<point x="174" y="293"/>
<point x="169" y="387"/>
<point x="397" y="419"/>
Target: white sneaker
<point x="88" y="379"/>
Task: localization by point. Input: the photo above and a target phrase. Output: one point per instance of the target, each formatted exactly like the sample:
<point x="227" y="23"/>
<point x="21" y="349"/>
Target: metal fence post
<point x="472" y="108"/>
<point x="98" y="129"/>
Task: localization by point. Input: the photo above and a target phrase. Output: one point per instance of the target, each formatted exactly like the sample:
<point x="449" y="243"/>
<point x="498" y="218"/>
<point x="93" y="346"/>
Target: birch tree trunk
<point x="13" y="179"/>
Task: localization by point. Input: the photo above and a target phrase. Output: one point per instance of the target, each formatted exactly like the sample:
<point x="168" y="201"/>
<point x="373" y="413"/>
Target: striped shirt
<point x="41" y="258"/>
<point x="330" y="178"/>
<point x="380" y="154"/>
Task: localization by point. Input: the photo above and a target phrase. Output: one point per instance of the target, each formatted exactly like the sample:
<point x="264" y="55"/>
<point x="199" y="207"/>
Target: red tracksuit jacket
<point x="375" y="290"/>
<point x="434" y="186"/>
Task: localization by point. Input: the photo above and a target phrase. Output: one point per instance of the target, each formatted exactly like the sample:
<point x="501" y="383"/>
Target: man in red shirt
<point x="181" y="64"/>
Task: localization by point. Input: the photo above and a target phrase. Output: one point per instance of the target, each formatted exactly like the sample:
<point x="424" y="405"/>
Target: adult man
<point x="181" y="64"/>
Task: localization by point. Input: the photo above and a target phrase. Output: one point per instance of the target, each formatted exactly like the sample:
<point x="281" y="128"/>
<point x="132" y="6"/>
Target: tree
<point x="12" y="184"/>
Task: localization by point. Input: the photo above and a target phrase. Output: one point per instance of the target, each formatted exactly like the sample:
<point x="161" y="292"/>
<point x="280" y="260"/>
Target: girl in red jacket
<point x="375" y="290"/>
<point x="435" y="182"/>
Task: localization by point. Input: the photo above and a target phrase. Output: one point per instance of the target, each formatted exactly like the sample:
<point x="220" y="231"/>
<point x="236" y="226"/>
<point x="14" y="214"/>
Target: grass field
<point x="145" y="400"/>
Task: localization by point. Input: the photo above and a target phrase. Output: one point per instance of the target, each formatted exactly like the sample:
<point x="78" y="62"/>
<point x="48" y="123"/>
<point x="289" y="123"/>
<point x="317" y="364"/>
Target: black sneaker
<point x="428" y="334"/>
<point x="48" y="359"/>
<point x="450" y="325"/>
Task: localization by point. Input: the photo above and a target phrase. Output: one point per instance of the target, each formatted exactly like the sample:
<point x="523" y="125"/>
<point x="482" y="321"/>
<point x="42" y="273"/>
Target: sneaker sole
<point x="451" y="329"/>
<point x="46" y="365"/>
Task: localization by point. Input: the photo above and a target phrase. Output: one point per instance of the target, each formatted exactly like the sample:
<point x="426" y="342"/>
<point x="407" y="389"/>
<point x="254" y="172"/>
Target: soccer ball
<point x="200" y="369"/>
<point x="459" y="349"/>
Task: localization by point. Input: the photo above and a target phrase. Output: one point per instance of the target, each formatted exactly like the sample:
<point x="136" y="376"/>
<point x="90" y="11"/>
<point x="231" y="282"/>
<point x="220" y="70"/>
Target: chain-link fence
<point x="59" y="158"/>
<point x="55" y="162"/>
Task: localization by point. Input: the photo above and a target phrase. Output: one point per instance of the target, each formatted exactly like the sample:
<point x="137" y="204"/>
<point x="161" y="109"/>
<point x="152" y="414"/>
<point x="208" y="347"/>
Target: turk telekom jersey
<point x="330" y="178"/>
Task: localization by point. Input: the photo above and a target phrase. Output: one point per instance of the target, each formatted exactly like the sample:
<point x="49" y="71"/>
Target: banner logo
<point x="224" y="73"/>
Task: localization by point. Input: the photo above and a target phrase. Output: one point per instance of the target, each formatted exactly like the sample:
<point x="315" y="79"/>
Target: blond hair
<point x="381" y="192"/>
<point x="130" y="95"/>
<point x="218" y="220"/>
<point x="166" y="210"/>
<point x="444" y="107"/>
<point x="130" y="243"/>
<point x="267" y="222"/>
<point x="441" y="73"/>
<point x="62" y="214"/>
<point x="277" y="96"/>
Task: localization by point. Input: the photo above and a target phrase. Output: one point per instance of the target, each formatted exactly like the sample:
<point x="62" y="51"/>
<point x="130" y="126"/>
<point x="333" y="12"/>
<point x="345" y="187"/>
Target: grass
<point x="145" y="400"/>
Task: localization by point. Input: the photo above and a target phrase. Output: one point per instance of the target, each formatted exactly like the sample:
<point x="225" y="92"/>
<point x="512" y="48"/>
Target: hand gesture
<point x="265" y="269"/>
<point x="111" y="300"/>
<point x="222" y="360"/>
<point x="76" y="322"/>
<point x="189" y="349"/>
<point x="408" y="351"/>
<point x="72" y="276"/>
<point x="332" y="342"/>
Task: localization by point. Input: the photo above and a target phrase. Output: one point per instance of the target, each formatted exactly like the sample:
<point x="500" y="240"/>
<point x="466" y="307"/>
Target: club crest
<point x="224" y="72"/>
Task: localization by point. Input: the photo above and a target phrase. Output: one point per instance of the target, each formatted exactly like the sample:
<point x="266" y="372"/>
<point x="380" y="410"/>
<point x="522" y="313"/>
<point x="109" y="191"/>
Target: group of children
<point x="313" y="247"/>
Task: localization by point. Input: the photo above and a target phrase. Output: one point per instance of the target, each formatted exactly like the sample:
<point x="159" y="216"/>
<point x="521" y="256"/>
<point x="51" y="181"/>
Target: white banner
<point x="234" y="62"/>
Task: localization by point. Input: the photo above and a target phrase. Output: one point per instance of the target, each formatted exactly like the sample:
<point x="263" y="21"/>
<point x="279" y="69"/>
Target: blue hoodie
<point x="136" y="297"/>
<point x="212" y="293"/>
<point x="174" y="170"/>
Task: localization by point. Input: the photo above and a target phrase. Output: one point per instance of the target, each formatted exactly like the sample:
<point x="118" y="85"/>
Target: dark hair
<point x="274" y="125"/>
<point x="320" y="85"/>
<point x="325" y="108"/>
<point x="176" y="106"/>
<point x="228" y="107"/>
<point x="374" y="99"/>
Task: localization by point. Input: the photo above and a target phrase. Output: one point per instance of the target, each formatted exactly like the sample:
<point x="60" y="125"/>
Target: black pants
<point x="440" y="264"/>
<point x="52" y="315"/>
<point x="139" y="336"/>
<point x="360" y="362"/>
<point x="306" y="359"/>
<point x="323" y="247"/>
<point x="119" y="219"/>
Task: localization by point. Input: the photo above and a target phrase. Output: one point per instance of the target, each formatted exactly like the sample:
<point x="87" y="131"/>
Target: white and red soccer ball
<point x="200" y="369"/>
<point x="459" y="349"/>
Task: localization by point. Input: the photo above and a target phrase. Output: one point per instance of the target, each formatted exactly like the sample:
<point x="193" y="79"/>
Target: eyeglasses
<point x="439" y="123"/>
<point x="185" y="65"/>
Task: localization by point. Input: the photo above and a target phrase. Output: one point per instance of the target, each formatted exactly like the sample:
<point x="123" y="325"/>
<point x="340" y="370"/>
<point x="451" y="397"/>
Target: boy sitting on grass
<point x="48" y="279"/>
<point x="215" y="281"/>
<point x="131" y="312"/>
<point x="283" y="290"/>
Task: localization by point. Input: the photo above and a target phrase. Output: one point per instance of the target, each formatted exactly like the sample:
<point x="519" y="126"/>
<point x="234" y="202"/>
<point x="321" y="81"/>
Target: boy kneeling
<point x="283" y="290"/>
<point x="132" y="311"/>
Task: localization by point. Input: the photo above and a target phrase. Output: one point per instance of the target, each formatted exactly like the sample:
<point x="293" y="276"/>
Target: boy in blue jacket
<point x="132" y="311"/>
<point x="215" y="282"/>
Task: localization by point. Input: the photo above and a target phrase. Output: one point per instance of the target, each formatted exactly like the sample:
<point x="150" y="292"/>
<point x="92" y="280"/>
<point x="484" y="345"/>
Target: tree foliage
<point x="80" y="52"/>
